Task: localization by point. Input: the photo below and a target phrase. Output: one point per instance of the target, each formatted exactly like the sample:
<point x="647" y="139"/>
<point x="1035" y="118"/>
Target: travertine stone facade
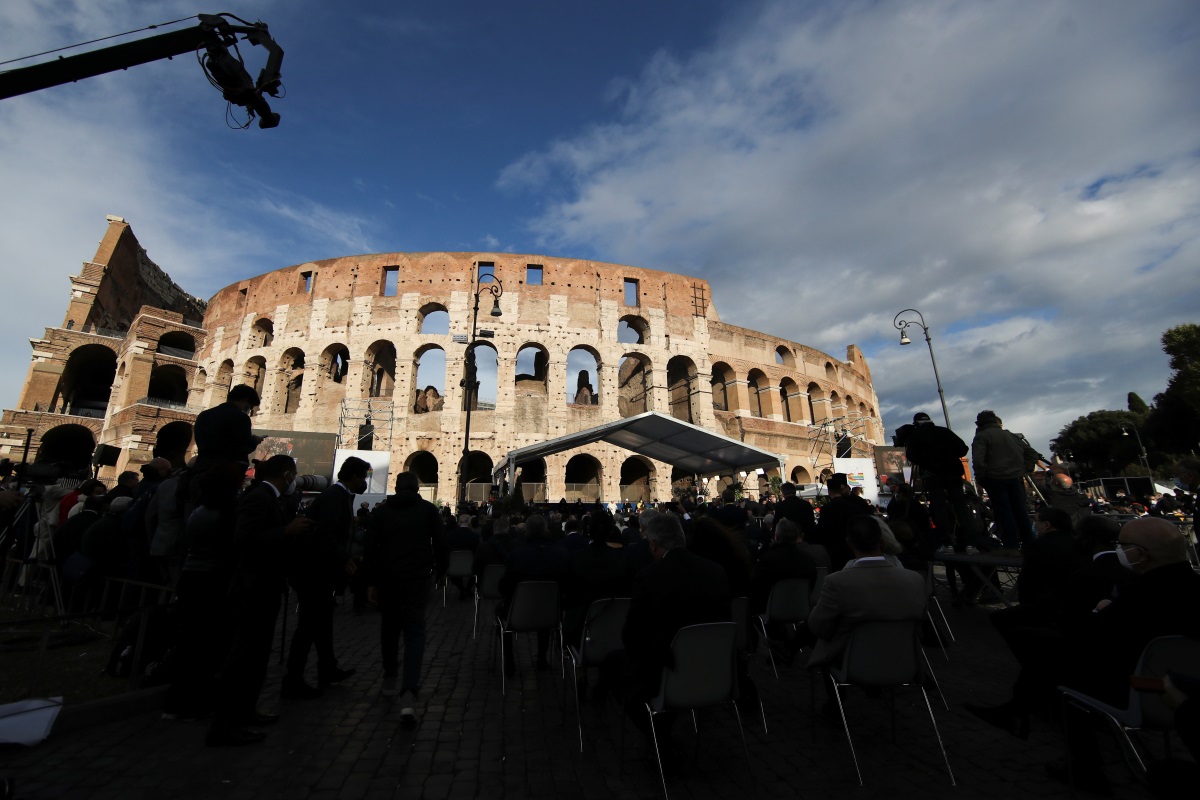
<point x="328" y="343"/>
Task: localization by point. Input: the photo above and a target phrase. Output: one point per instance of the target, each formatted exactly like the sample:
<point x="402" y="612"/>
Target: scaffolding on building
<point x="365" y="420"/>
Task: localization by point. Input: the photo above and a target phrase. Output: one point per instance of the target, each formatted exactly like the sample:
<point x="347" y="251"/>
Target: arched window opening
<point x="784" y="356"/>
<point x="584" y="477"/>
<point x="530" y="481"/>
<point x="424" y="465"/>
<point x="830" y="372"/>
<point x="633" y="385"/>
<point x="583" y="377"/>
<point x="636" y="476"/>
<point x="224" y="378"/>
<point x="801" y="476"/>
<point x="173" y="441"/>
<point x="331" y="376"/>
<point x="479" y="476"/>
<point x="483" y="398"/>
<point x="681" y="388"/>
<point x="177" y="343"/>
<point x="429" y="380"/>
<point x="532" y="371"/>
<point x="262" y="333"/>
<point x="817" y="410"/>
<point x="789" y="400"/>
<point x="379" y="371"/>
<point x="633" y="329"/>
<point x="756" y="384"/>
<point x="723" y="387"/>
<point x="435" y="320"/>
<point x="86" y="382"/>
<point x="168" y="385"/>
<point x="69" y="445"/>
<point x="291" y="376"/>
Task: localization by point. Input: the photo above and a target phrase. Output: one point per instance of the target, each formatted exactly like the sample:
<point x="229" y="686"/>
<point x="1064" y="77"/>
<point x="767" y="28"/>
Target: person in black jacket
<point x="937" y="452"/>
<point x="836" y="515"/>
<point x="403" y="548"/>
<point x="259" y="533"/>
<point x="796" y="509"/>
<point x="317" y="563"/>
<point x="537" y="559"/>
<point x="223" y="432"/>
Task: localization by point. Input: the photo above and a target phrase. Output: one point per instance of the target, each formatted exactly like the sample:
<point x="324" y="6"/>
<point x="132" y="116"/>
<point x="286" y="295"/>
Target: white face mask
<point x="291" y="487"/>
<point x="1124" y="558"/>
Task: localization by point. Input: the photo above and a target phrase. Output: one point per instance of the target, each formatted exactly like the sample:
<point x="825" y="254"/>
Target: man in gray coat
<point x="871" y="587"/>
<point x="998" y="458"/>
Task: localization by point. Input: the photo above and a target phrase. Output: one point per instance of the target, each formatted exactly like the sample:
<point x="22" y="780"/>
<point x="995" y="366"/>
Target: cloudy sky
<point x="1026" y="174"/>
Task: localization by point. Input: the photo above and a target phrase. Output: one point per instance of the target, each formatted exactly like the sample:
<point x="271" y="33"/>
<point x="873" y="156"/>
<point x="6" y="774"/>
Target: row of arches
<point x="787" y="401"/>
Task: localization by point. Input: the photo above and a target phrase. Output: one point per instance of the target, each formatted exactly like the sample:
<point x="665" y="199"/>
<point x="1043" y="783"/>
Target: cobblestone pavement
<point x="473" y="742"/>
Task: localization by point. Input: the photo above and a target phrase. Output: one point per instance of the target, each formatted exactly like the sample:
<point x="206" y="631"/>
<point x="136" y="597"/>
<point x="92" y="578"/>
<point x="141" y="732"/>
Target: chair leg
<point x="837" y="695"/>
<point x="945" y="621"/>
<point x="578" y="708"/>
<point x="763" y="627"/>
<point x="933" y="675"/>
<point x="657" y="755"/>
<point x="937" y="633"/>
<point x="745" y="749"/>
<point x="475" y="619"/>
<point x="503" y="668"/>
<point x="763" y="711"/>
<point x="938" y="734"/>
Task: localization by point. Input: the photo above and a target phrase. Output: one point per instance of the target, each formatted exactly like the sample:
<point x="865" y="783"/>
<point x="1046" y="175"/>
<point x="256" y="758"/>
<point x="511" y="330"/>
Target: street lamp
<point x="902" y="326"/>
<point x="1142" y="449"/>
<point x="469" y="383"/>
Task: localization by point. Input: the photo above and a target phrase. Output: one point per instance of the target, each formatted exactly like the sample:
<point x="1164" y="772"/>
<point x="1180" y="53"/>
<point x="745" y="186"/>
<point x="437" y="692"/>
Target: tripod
<point x="23" y="534"/>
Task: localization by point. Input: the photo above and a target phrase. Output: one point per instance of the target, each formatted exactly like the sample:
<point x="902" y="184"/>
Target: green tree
<point x="1182" y="344"/>
<point x="1098" y="444"/>
<point x="1136" y="404"/>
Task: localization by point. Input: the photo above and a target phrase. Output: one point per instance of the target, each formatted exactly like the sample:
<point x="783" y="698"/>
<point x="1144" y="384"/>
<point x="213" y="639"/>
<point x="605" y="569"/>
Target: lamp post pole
<point x="469" y="383"/>
<point x="902" y="326"/>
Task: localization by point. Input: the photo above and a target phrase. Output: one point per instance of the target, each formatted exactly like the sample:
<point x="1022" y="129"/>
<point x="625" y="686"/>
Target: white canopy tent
<point x="656" y="436"/>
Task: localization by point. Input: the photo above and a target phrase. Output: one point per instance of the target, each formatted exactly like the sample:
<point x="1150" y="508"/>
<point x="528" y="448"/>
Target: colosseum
<point x="370" y="353"/>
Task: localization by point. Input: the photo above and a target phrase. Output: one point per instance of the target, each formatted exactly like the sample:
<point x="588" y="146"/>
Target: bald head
<point x="1153" y="542"/>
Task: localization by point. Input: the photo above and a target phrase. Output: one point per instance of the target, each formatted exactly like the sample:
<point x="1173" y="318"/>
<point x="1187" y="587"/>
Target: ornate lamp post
<point x="902" y="326"/>
<point x="469" y="383"/>
<point x="1141" y="448"/>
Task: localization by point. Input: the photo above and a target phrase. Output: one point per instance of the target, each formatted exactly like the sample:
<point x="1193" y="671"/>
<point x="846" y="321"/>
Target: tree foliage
<point x="1098" y="444"/>
<point x="1136" y="404"/>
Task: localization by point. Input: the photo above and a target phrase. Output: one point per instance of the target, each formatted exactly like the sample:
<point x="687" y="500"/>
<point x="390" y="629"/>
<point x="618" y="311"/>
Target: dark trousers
<point x="402" y="610"/>
<point x="1008" y="504"/>
<point x="1038" y="648"/>
<point x="245" y="667"/>
<point x="205" y="623"/>
<point x="314" y="628"/>
<point x="948" y="506"/>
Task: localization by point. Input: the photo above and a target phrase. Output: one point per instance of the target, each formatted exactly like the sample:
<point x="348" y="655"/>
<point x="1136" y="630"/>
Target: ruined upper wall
<point x="435" y="276"/>
<point x="113" y="287"/>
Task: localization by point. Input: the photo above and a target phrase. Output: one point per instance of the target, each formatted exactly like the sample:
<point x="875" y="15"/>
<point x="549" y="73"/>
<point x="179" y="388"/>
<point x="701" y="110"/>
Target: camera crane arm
<point x="214" y="34"/>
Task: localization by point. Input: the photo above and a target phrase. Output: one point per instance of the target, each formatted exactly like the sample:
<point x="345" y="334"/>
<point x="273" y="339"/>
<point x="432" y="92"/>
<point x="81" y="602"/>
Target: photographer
<point x="937" y="453"/>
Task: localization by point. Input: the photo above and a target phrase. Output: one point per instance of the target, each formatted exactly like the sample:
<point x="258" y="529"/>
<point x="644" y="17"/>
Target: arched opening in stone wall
<point x="224" y="382"/>
<point x="424" y="465"/>
<point x="435" y="319"/>
<point x="70" y="445"/>
<point x="486" y="365"/>
<point x="86" y="382"/>
<point x="756" y="383"/>
<point x="800" y="476"/>
<point x="177" y="343"/>
<point x="636" y="475"/>
<point x="789" y="400"/>
<point x="198" y="387"/>
<point x="262" y="333"/>
<point x="291" y="380"/>
<point x="633" y="329"/>
<point x="633" y="385"/>
<point x="817" y="411"/>
<point x="836" y="408"/>
<point x="681" y="388"/>
<point x="830" y="372"/>
<point x="683" y="485"/>
<point x="531" y="481"/>
<point x="583" y="376"/>
<point x="429" y="379"/>
<point x="255" y="374"/>
<point x="380" y="369"/>
<point x="532" y="370"/>
<point x="584" y="476"/>
<point x="173" y="441"/>
<point x="723" y="390"/>
<point x="331" y="376"/>
<point x="479" y="476"/>
<point x="168" y="384"/>
<point x="784" y="356"/>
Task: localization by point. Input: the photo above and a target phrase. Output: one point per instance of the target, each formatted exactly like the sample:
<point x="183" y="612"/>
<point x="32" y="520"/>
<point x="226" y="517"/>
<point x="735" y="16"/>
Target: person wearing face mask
<point x="260" y="530"/>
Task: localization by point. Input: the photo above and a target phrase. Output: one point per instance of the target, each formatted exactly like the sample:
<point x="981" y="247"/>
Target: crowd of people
<point x="1091" y="592"/>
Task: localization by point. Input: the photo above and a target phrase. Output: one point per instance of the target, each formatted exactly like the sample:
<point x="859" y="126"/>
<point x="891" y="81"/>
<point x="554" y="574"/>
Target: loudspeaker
<point x="105" y="455"/>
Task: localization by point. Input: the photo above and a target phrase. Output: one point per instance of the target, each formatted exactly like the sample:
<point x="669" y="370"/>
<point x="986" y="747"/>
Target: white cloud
<point x="1025" y="173"/>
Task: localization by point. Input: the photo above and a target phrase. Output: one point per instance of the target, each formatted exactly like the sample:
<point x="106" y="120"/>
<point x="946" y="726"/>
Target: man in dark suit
<point x="316" y="564"/>
<point x="678" y="589"/>
<point x="836" y="515"/>
<point x="259" y="534"/>
<point x="796" y="509"/>
<point x="223" y="432"/>
<point x="937" y="452"/>
<point x="870" y="588"/>
<point x="782" y="560"/>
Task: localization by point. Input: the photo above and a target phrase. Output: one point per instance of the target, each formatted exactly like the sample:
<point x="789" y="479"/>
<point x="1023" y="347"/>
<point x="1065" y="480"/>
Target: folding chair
<point x="883" y="654"/>
<point x="1146" y="711"/>
<point x="461" y="565"/>
<point x="789" y="604"/>
<point x="602" y="630"/>
<point x="740" y="607"/>
<point x="487" y="588"/>
<point x="933" y="601"/>
<point x="534" y="607"/>
<point x="704" y="676"/>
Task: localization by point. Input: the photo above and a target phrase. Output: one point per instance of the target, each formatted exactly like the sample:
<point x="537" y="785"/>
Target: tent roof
<point x="662" y="438"/>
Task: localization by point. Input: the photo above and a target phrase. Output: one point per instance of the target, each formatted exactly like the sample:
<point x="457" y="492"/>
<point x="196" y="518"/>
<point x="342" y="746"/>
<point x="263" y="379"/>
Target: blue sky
<point x="1027" y="174"/>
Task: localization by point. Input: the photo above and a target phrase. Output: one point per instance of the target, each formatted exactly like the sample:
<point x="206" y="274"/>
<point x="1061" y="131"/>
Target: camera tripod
<point x="22" y="533"/>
